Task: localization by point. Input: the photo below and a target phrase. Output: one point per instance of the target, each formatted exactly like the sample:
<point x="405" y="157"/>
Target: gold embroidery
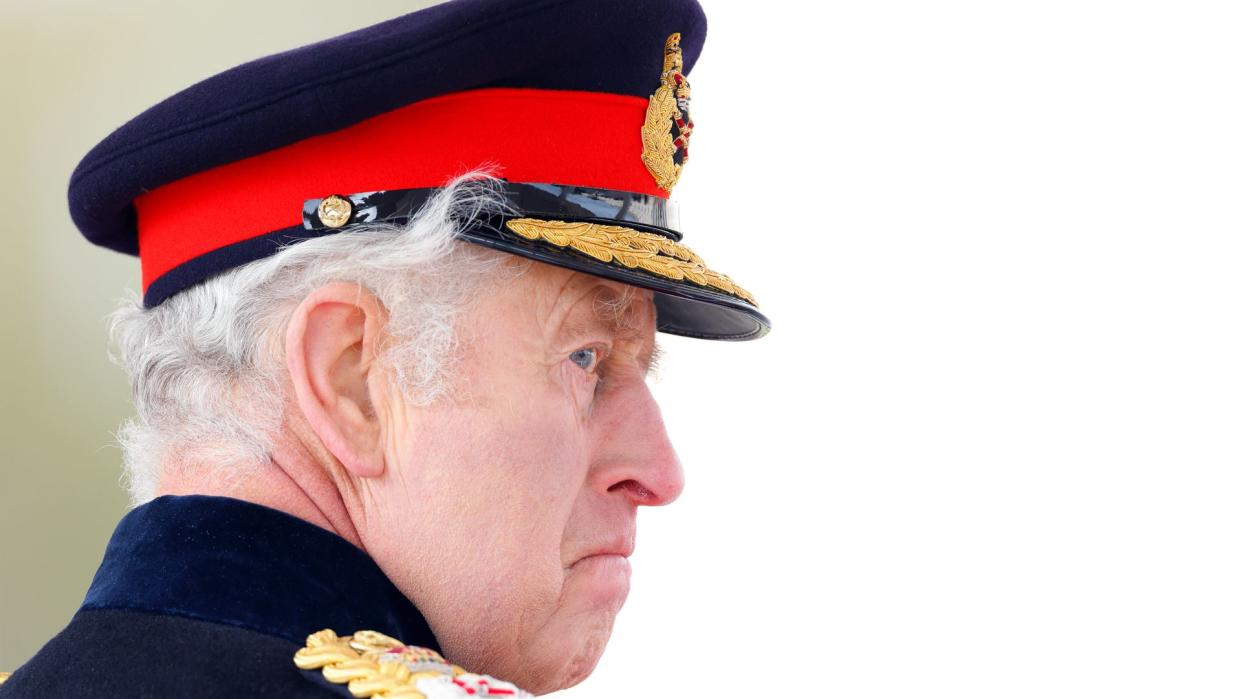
<point x="355" y="661"/>
<point x="375" y="665"/>
<point x="4" y="676"/>
<point x="631" y="248"/>
<point x="372" y="664"/>
<point x="667" y="109"/>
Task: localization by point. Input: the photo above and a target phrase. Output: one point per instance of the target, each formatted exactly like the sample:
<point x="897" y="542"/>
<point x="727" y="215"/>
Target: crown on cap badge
<point x="666" y="131"/>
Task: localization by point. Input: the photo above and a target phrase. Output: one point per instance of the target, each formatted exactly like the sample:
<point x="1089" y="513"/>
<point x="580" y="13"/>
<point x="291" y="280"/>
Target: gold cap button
<point x="335" y="211"/>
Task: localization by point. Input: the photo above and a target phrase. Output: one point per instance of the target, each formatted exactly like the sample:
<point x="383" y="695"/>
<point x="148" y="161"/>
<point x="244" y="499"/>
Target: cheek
<point x="496" y="478"/>
<point x="500" y="479"/>
<point x="540" y="466"/>
<point x="531" y="443"/>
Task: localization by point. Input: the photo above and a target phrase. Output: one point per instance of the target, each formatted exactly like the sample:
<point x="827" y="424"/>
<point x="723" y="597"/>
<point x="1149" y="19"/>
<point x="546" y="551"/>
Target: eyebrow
<point x="611" y="324"/>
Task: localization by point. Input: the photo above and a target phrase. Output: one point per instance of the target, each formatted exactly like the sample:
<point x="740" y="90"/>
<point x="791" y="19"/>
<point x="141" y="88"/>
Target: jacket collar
<point x="237" y="563"/>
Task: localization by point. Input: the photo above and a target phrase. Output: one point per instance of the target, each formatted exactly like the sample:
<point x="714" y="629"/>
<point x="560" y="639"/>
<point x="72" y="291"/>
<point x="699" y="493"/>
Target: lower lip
<point x="608" y="574"/>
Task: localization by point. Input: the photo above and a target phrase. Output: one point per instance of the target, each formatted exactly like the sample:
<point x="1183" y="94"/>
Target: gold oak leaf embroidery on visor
<point x="634" y="249"/>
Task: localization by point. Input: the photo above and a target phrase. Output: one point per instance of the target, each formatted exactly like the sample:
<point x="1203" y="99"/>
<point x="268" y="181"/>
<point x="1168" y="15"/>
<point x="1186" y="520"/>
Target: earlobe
<point x="330" y="349"/>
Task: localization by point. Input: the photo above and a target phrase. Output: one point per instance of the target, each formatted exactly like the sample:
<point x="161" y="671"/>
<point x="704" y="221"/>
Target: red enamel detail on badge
<point x="526" y="135"/>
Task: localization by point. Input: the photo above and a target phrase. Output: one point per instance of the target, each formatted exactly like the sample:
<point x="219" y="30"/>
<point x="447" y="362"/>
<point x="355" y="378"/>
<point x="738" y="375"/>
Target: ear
<point x="330" y="351"/>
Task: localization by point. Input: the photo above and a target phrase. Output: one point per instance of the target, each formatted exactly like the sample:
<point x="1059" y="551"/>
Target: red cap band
<point x="588" y="139"/>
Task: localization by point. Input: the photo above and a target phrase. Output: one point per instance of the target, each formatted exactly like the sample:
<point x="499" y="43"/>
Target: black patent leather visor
<point x="627" y="237"/>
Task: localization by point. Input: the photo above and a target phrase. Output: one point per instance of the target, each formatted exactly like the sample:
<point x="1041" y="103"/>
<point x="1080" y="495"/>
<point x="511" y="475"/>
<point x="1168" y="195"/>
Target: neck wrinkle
<point x="298" y="480"/>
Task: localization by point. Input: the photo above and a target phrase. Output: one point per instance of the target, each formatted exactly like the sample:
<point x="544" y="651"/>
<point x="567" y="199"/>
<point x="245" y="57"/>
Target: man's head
<point x="507" y="509"/>
<point x="504" y="502"/>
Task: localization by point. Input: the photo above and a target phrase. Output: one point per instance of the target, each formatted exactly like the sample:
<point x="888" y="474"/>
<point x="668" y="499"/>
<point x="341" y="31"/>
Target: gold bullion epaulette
<point x="375" y="665"/>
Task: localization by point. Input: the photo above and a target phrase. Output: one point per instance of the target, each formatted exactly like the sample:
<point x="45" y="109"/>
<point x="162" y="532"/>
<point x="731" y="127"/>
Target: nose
<point x="635" y="456"/>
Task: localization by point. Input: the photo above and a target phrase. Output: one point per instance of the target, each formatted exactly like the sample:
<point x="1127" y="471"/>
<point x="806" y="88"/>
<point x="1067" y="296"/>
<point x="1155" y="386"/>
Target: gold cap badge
<point x="666" y="131"/>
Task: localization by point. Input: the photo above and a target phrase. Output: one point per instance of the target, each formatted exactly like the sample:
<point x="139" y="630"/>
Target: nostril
<point x="621" y="486"/>
<point x="636" y="490"/>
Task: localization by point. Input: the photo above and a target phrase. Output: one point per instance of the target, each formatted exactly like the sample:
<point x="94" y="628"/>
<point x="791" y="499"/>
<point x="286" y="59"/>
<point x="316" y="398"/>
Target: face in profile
<point x="508" y="511"/>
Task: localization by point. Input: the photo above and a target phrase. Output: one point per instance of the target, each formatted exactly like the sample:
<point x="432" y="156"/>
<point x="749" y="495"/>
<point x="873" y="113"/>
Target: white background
<point x="990" y="449"/>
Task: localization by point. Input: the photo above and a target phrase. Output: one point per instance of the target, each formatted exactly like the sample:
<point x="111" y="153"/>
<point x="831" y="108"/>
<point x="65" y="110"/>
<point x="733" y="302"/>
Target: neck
<point x="295" y="481"/>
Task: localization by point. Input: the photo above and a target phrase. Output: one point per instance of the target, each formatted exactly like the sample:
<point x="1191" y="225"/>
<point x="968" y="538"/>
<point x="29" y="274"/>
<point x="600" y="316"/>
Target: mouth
<point x="599" y="581"/>
<point x="605" y="556"/>
<point x="618" y="549"/>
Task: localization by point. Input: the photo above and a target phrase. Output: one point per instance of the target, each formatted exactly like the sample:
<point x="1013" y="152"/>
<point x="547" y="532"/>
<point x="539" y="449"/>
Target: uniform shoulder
<point x="114" y="653"/>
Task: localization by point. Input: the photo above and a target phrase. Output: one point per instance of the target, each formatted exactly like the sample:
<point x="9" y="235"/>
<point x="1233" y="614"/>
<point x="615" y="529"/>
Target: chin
<point x="583" y="664"/>
<point x="566" y="663"/>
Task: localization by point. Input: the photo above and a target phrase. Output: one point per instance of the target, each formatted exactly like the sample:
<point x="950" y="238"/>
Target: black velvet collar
<point x="237" y="563"/>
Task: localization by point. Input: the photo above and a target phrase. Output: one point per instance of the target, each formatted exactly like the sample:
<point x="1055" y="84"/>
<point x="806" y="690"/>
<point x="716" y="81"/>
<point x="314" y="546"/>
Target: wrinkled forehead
<point x="570" y="302"/>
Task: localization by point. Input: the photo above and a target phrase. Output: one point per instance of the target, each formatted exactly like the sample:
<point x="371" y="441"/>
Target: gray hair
<point x="206" y="366"/>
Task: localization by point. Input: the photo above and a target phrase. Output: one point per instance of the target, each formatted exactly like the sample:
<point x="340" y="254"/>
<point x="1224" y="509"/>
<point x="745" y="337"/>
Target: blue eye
<point x="585" y="358"/>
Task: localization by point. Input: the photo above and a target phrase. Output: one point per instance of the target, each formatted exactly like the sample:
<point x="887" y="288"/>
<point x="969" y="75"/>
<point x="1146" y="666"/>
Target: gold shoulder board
<point x="375" y="665"/>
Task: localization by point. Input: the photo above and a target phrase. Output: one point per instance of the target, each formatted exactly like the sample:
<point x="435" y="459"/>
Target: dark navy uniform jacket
<point x="211" y="597"/>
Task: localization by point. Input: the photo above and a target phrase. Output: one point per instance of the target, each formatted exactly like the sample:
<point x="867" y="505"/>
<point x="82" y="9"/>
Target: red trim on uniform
<point x="589" y="139"/>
